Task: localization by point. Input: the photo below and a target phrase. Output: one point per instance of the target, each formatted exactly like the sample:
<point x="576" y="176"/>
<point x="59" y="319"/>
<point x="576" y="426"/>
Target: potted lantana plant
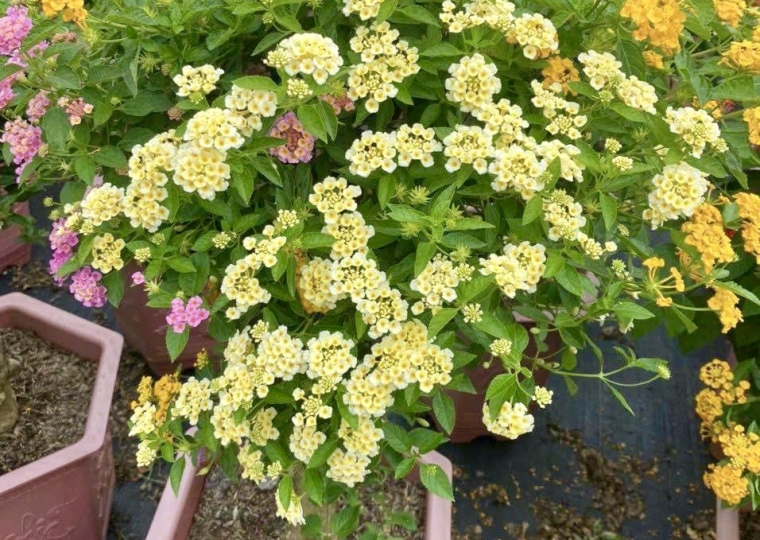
<point x="361" y="218"/>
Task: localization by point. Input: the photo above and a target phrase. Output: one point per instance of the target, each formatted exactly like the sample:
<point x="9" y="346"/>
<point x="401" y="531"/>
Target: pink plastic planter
<point x="726" y="523"/>
<point x="174" y="515"/>
<point x="145" y="330"/>
<point x="13" y="252"/>
<point x="66" y="494"/>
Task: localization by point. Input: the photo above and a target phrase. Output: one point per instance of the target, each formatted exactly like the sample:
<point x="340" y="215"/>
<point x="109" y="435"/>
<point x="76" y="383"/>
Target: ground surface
<point x="641" y="476"/>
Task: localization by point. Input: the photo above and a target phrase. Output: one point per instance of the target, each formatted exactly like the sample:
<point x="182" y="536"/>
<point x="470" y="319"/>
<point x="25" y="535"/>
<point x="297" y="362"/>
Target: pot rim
<point x="88" y="341"/>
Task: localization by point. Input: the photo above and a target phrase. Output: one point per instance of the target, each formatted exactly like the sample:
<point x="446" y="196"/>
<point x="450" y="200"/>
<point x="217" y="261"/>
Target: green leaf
<point x="110" y="156"/>
<point x="620" y="398"/>
<point x="503" y="388"/>
<point x="175" y="343"/>
<point x="739" y="89"/>
<point x="443" y="407"/>
<point x="311" y="240"/>
<point x="145" y="103"/>
<point x="397" y="438"/>
<point x="402" y="214"/>
<point x="266" y="167"/>
<point x="285" y="491"/>
<point x="629" y="310"/>
<point x="314" y="483"/>
<point x="386" y="10"/>
<point x="403" y="519"/>
<point x="436" y="481"/>
<point x="85" y="169"/>
<point x="56" y="126"/>
<point x="175" y="474"/>
<point x="425" y="252"/>
<point x="440" y="320"/>
<point x="311" y="119"/>
<point x="114" y="283"/>
<point x="420" y="14"/>
<point x="181" y="264"/>
<point x="533" y="210"/>
<point x="319" y="457"/>
<point x="738" y="290"/>
<point x="256" y="82"/>
<point x="609" y="210"/>
<point x="385" y="189"/>
<point x="346" y="521"/>
<point x="204" y="242"/>
<point x="268" y="41"/>
<point x="243" y="183"/>
<point x="404" y="467"/>
<point x="64" y="77"/>
<point x="568" y="278"/>
<point x="426" y="440"/>
<point x="441" y="50"/>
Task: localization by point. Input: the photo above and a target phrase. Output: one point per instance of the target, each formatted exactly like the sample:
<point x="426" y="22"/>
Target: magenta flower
<point x="86" y="287"/>
<point x="138" y="278"/>
<point x="24" y="140"/>
<point x="6" y="91"/>
<point x="37" y="106"/>
<point x="62" y="242"/>
<point x="299" y="143"/>
<point x="182" y="315"/>
<point x="21" y="59"/>
<point x="14" y="27"/>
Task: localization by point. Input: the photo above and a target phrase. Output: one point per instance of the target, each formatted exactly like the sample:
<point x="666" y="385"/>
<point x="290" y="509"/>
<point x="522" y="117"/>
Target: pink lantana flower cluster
<point x="62" y="242"/>
<point x="76" y="109"/>
<point x="299" y="143"/>
<point x="339" y="104"/>
<point x="87" y="289"/>
<point x="25" y="140"/>
<point x="37" y="106"/>
<point x="182" y="315"/>
<point x="14" y="28"/>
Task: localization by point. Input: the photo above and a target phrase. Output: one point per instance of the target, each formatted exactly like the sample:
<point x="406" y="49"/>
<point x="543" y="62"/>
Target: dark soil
<point x="53" y="388"/>
<point x="750" y="525"/>
<point x="243" y="511"/>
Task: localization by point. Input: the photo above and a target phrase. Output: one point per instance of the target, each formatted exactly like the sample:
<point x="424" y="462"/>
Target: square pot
<point x="66" y="494"/>
<point x="174" y="515"/>
<point x="14" y="252"/>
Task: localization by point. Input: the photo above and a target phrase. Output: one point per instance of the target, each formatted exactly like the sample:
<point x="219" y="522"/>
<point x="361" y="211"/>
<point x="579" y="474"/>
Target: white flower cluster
<point x="197" y="82"/>
<point x="385" y="63"/>
<point x="148" y="166"/>
<point x="678" y="191"/>
<point x="563" y="114"/>
<point x="469" y="145"/>
<point x="497" y="14"/>
<point x="473" y="83"/>
<point x="604" y="74"/>
<point x="308" y="53"/>
<point x="102" y="204"/>
<point x="518" y="168"/>
<point x="214" y="128"/>
<point x="415" y="142"/>
<point x="366" y="9"/>
<point x="370" y="152"/>
<point x="512" y="421"/>
<point x="250" y="106"/>
<point x="503" y="121"/>
<point x="193" y="399"/>
<point x="436" y="283"/>
<point x="535" y="34"/>
<point x="520" y="268"/>
<point x="333" y="196"/>
<point x="696" y="127"/>
<point x="564" y="215"/>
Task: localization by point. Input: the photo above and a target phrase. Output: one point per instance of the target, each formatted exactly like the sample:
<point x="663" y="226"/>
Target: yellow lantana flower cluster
<point x="106" y="253"/>
<point x="560" y="71"/>
<point x="194" y="83"/>
<point x="661" y="22"/>
<point x="385" y="62"/>
<point x="564" y="215"/>
<point x="512" y="421"/>
<point x="519" y="268"/>
<point x="752" y="119"/>
<point x="749" y="211"/>
<point x="705" y="232"/>
<point x="697" y="129"/>
<point x="307" y="53"/>
<point x="102" y="204"/>
<point x="730" y="11"/>
<point x="436" y="283"/>
<point x="678" y="192"/>
<point x="251" y="106"/>
<point x="70" y="10"/>
<point x="743" y="56"/>
<point x="725" y="303"/>
<point x="473" y="82"/>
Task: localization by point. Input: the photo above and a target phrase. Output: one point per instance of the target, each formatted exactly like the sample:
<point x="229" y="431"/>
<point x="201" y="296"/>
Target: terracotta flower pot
<point x="174" y="516"/>
<point x="14" y="252"/>
<point x="66" y="494"/>
<point x="726" y="523"/>
<point x="468" y="424"/>
<point x="144" y="328"/>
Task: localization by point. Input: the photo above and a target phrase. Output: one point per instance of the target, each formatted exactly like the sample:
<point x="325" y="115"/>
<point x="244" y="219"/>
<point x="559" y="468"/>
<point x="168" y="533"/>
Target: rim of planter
<point x="88" y="341"/>
<point x="726" y="522"/>
<point x="174" y="515"/>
